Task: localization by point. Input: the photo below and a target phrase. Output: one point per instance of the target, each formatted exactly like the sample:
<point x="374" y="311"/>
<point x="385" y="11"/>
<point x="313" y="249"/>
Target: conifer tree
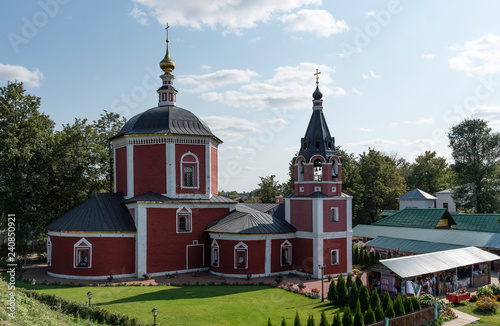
<point x="389" y="312"/>
<point x="283" y="322"/>
<point x="366" y="258"/>
<point x="358" y="281"/>
<point x="297" y="320"/>
<point x="399" y="308"/>
<point x="374" y="299"/>
<point x="364" y="298"/>
<point x="359" y="319"/>
<point x="341" y="291"/>
<point x="323" y="321"/>
<point x="386" y="300"/>
<point x="337" y="321"/>
<point x="377" y="256"/>
<point x="416" y="304"/>
<point x="269" y="322"/>
<point x="369" y="316"/>
<point x="347" y="317"/>
<point x="379" y="312"/>
<point x="408" y="304"/>
<point x="372" y="257"/>
<point x="310" y="321"/>
<point x="355" y="254"/>
<point x="332" y="292"/>
<point x="353" y="296"/>
<point x="348" y="281"/>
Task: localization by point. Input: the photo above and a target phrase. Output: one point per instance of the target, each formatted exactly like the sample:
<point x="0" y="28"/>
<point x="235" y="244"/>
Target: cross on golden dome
<point x="317" y="73"/>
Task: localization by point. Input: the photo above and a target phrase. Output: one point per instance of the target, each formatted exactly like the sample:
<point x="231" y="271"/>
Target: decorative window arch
<point x="334" y="254"/>
<point x="241" y="256"/>
<point x="215" y="253"/>
<point x="300" y="166"/>
<point x="49" y="251"/>
<point x="82" y="254"/>
<point x="189" y="171"/>
<point x="318" y="170"/>
<point x="334" y="214"/>
<point x="286" y="253"/>
<point x="183" y="218"/>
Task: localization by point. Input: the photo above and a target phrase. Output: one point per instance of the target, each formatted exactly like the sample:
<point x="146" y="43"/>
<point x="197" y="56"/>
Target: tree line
<point x="45" y="172"/>
<point x="376" y="179"/>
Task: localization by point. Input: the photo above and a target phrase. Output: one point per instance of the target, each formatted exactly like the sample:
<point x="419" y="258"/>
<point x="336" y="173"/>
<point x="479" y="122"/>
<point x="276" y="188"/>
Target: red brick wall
<point x="301" y="214"/>
<point x="121" y="170"/>
<point x="199" y="151"/>
<point x="302" y="255"/>
<point x="110" y="256"/>
<point x="167" y="249"/>
<point x="214" y="170"/>
<point x="341" y="245"/>
<point x="276" y="255"/>
<point x="329" y="226"/>
<point x="150" y="169"/>
<point x="256" y="257"/>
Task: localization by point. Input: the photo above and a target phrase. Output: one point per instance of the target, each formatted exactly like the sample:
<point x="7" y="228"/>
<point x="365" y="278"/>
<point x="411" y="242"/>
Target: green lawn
<point x="199" y="305"/>
<point x="487" y="318"/>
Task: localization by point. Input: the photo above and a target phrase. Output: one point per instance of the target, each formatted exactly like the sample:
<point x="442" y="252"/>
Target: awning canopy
<point x="410" y="266"/>
<point x="408" y="245"/>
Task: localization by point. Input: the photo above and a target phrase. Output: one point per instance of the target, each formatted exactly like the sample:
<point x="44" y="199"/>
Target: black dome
<point x="166" y="120"/>
<point x="317" y="95"/>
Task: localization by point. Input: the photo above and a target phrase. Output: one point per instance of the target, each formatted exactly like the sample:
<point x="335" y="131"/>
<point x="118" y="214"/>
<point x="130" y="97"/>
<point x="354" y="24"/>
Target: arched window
<point x="300" y="167"/>
<point x="82" y="254"/>
<point x="49" y="251"/>
<point x="189" y="171"/>
<point x="184" y="220"/>
<point x="286" y="253"/>
<point x="241" y="255"/>
<point x="215" y="253"/>
<point x="318" y="170"/>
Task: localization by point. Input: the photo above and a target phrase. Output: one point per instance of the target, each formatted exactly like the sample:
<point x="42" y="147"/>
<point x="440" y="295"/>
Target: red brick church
<point x="166" y="216"/>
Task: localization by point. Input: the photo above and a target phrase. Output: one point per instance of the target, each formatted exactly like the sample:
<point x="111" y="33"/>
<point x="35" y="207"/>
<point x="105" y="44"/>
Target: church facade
<point x="166" y="215"/>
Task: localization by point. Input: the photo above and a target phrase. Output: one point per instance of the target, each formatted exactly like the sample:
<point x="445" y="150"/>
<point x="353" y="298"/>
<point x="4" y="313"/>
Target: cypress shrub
<point x="366" y="258"/>
<point x="399" y="308"/>
<point x="364" y="298"/>
<point x="377" y="256"/>
<point x="416" y="304"/>
<point x="323" y="321"/>
<point x="353" y="296"/>
<point x="355" y="254"/>
<point x="372" y="257"/>
<point x="379" y="312"/>
<point x="297" y="320"/>
<point x="389" y="312"/>
<point x="310" y="320"/>
<point x="386" y="300"/>
<point x="359" y="319"/>
<point x="369" y="316"/>
<point x="283" y="322"/>
<point x="332" y="292"/>
<point x="347" y="317"/>
<point x="358" y="281"/>
<point x="269" y="322"/>
<point x="336" y="320"/>
<point x="374" y="299"/>
<point x="408" y="304"/>
<point x="341" y="291"/>
<point x="348" y="281"/>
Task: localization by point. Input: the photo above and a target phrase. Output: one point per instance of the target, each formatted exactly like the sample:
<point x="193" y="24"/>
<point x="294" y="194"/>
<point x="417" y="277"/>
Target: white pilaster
<point x="317" y="215"/>
<point x="349" y="214"/>
<point x="349" y="253"/>
<point x="141" y="222"/>
<point x="208" y="164"/>
<point x="268" y="257"/>
<point x="287" y="210"/>
<point x="130" y="171"/>
<point x="171" y="181"/>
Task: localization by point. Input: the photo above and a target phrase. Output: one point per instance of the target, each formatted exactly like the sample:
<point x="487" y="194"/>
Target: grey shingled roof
<point x="407" y="245"/>
<point x="151" y="196"/>
<point x="99" y="213"/>
<point x="166" y="120"/>
<point x="416" y="194"/>
<point x="249" y="220"/>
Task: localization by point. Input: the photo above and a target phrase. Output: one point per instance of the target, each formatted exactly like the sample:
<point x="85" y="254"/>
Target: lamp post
<point x="33" y="282"/>
<point x="89" y="295"/>
<point x="155" y="313"/>
<point x="322" y="267"/>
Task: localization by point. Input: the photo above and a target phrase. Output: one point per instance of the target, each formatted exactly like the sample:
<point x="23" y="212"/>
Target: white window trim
<point x="287" y="244"/>
<point x="215" y="247"/>
<point x="49" y="251"/>
<point x="80" y="245"/>
<point x="337" y="255"/>
<point x="196" y="166"/>
<point x="240" y="246"/>
<point x="335" y="215"/>
<point x="189" y="221"/>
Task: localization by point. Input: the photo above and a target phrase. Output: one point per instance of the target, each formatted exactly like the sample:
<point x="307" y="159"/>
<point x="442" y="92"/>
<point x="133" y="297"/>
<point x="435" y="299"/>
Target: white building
<point x="416" y="199"/>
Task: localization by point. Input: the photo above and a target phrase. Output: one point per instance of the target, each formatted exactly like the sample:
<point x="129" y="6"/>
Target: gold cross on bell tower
<point x="317" y="73"/>
<point x="166" y="28"/>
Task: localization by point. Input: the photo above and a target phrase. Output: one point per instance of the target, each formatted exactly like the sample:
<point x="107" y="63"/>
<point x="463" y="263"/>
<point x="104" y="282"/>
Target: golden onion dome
<point x="167" y="64"/>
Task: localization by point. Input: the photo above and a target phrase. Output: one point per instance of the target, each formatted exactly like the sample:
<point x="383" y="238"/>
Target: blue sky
<point x="395" y="75"/>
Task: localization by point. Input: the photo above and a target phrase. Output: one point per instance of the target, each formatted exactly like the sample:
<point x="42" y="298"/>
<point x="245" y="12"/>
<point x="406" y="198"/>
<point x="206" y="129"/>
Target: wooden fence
<point x="416" y="318"/>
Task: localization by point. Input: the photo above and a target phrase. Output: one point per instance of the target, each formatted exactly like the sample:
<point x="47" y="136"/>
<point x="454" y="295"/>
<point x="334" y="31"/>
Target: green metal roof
<point x="477" y="222"/>
<point x="457" y="237"/>
<point x="388" y="212"/>
<point x="410" y="266"/>
<point x="407" y="245"/>
<point x="426" y="218"/>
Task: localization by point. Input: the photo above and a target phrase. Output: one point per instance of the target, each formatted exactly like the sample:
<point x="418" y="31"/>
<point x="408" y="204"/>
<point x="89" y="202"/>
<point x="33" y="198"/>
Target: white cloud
<point x="428" y="56"/>
<point x="421" y="121"/>
<point x="206" y="68"/>
<point x="365" y="76"/>
<point x="21" y="74"/>
<point x="356" y="92"/>
<point x="370" y="13"/>
<point x="219" y="78"/>
<point x="284" y="90"/>
<point x="140" y="16"/>
<point x="490" y="113"/>
<point x="478" y="57"/>
<point x="373" y="143"/>
<point x="320" y="22"/>
<point x="230" y="15"/>
<point x="372" y="75"/>
<point x="393" y="125"/>
<point x="236" y="128"/>
<point x="365" y="129"/>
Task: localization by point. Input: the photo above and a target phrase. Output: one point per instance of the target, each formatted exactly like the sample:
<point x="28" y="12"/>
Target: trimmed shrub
<point x="353" y="296"/>
<point x="416" y="304"/>
<point x="355" y="254"/>
<point x="379" y="312"/>
<point x="323" y="321"/>
<point x="496" y="288"/>
<point x="310" y="321"/>
<point x="372" y="258"/>
<point x="488" y="303"/>
<point x="364" y="297"/>
<point x="484" y="291"/>
<point x="473" y="298"/>
<point x="283" y="322"/>
<point x="336" y="320"/>
<point x="399" y="307"/>
<point x="358" y="281"/>
<point x="386" y="300"/>
<point x="297" y="320"/>
<point x="269" y="322"/>
<point x="370" y="316"/>
<point x="408" y="304"/>
<point x="348" y="281"/>
<point x="374" y="299"/>
<point x="389" y="312"/>
<point x="341" y="291"/>
<point x="332" y="293"/>
<point x="359" y="319"/>
<point x="347" y="317"/>
<point x="366" y="258"/>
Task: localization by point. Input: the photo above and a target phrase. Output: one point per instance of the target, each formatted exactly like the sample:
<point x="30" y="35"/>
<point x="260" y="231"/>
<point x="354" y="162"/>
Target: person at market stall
<point x="454" y="281"/>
